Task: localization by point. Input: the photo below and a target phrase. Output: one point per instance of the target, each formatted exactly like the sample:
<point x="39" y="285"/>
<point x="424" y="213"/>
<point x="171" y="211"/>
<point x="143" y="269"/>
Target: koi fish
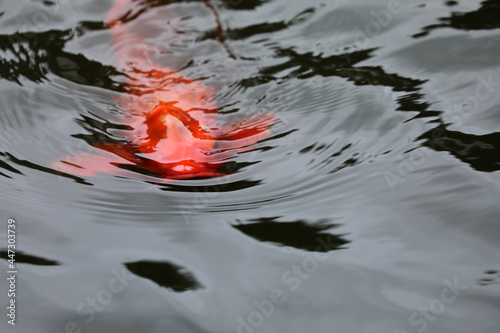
<point x="172" y="128"/>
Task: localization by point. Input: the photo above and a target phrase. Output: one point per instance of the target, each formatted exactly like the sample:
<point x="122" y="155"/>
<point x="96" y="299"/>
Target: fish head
<point x="177" y="141"/>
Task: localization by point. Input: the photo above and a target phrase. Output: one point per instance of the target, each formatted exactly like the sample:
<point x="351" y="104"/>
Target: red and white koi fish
<point x="172" y="120"/>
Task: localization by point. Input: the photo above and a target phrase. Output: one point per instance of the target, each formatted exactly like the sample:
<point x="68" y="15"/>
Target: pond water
<point x="371" y="206"/>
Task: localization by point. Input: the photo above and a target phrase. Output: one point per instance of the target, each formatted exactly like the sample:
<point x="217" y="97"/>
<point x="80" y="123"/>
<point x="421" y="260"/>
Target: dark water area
<point x="372" y="206"/>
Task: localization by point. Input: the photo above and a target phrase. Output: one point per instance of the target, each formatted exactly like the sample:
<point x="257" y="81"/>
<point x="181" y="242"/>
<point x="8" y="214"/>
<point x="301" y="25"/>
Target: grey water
<point x="373" y="206"/>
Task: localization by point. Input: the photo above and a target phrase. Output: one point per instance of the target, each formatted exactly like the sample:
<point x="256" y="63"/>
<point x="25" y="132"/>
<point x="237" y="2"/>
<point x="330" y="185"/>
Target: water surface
<point x="372" y="207"/>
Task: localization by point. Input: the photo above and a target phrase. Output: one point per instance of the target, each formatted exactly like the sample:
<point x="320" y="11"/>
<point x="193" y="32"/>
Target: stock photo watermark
<point x="87" y="310"/>
<point x="37" y="21"/>
<point x="291" y="280"/>
<point x="381" y="19"/>
<point x="421" y="319"/>
<point x="11" y="272"/>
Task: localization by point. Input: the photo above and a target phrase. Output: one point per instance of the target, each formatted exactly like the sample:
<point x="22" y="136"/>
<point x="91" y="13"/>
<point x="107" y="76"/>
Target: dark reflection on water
<point x="165" y="274"/>
<point x="415" y="102"/>
<point x="308" y="65"/>
<point x="8" y="167"/>
<point x="35" y="54"/>
<point x="482" y="152"/>
<point x="24" y="258"/>
<point x="243" y="4"/>
<point x="30" y="165"/>
<point x="491" y="277"/>
<point x="223" y="187"/>
<point x="262" y="28"/>
<point x="484" y="18"/>
<point x="298" y="234"/>
<point x="99" y="130"/>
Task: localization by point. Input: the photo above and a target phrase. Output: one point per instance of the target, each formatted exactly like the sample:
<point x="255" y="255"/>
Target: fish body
<point x="173" y="131"/>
